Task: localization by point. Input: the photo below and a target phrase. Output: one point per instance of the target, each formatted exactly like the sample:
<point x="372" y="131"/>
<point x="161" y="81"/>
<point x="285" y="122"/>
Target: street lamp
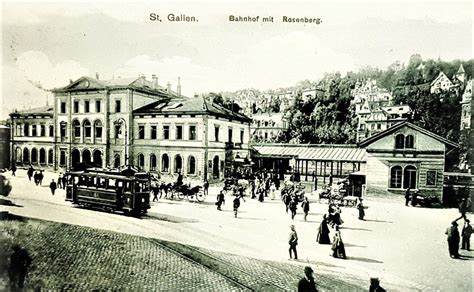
<point x="122" y="123"/>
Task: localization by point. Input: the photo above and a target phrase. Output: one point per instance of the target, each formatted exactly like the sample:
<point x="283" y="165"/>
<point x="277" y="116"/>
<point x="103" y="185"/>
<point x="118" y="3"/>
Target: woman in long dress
<point x="338" y="246"/>
<point x="323" y="233"/>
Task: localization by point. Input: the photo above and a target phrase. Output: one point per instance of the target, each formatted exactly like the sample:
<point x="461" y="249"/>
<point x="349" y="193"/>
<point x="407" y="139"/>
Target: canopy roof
<point x="347" y="153"/>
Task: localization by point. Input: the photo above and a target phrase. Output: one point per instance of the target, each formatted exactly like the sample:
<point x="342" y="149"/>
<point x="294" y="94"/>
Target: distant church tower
<point x="461" y="74"/>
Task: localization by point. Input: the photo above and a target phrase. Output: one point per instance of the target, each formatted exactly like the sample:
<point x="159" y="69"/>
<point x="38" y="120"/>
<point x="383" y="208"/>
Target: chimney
<point x="97" y="75"/>
<point x="70" y="81"/>
<point x="178" y="89"/>
<point x="168" y="87"/>
<point x="154" y="79"/>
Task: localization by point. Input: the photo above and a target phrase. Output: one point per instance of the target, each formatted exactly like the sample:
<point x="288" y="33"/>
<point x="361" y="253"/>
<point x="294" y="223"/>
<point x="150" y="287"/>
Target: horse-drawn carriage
<point x="294" y="190"/>
<point x="337" y="193"/>
<point x="175" y="190"/>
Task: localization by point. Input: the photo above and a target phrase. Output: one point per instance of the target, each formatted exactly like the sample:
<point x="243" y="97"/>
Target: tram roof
<point x="323" y="152"/>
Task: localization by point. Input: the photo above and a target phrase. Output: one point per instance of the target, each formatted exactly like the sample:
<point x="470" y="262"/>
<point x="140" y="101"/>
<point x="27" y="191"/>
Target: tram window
<point x="127" y="187"/>
<point x="111" y="184"/>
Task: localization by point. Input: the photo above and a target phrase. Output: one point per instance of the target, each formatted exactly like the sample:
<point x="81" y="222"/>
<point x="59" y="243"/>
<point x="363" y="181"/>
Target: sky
<point x="47" y="44"/>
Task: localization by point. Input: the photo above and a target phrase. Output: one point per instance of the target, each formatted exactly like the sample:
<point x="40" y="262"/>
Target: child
<point x="236" y="205"/>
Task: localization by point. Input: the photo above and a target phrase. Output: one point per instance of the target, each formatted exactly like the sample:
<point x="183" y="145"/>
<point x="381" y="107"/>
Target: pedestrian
<point x="464" y="206"/>
<point x="220" y="200"/>
<point x="13" y="169"/>
<point x="261" y="192"/>
<point x="64" y="181"/>
<point x="375" y="285"/>
<point x="40" y="177"/>
<point x="453" y="240"/>
<point x="414" y="198"/>
<point x="305" y="206"/>
<point x="293" y="207"/>
<point x="338" y="246"/>
<point x="407" y="196"/>
<point x="206" y="187"/>
<point x="466" y="235"/>
<point x="287" y="200"/>
<point x="360" y="207"/>
<point x="272" y="190"/>
<point x="323" y="233"/>
<point x="252" y="185"/>
<point x="20" y="261"/>
<point x="307" y="284"/>
<point x="30" y="172"/>
<point x="293" y="242"/>
<point x="53" y="186"/>
<point x="59" y="182"/>
<point x="36" y="177"/>
<point x="236" y="205"/>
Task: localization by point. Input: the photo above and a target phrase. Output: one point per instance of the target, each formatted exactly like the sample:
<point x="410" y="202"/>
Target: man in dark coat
<point x="453" y="240"/>
<point x="220" y="200"/>
<point x="40" y="177"/>
<point x="20" y="260"/>
<point x="53" y="186"/>
<point x="360" y="207"/>
<point x="60" y="182"/>
<point x="13" y="169"/>
<point x="293" y="242"/>
<point x="287" y="200"/>
<point x="64" y="181"/>
<point x="36" y="178"/>
<point x="466" y="235"/>
<point x="305" y="206"/>
<point x="236" y="204"/>
<point x="206" y="187"/>
<point x="407" y="196"/>
<point x="323" y="233"/>
<point x="307" y="284"/>
<point x="293" y="207"/>
<point x="30" y="172"/>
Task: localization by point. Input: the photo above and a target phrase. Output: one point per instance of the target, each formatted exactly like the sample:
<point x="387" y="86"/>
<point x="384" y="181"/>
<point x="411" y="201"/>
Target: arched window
<point x="50" y="156"/>
<point x="97" y="158"/>
<point x="152" y="162"/>
<point x="165" y="163"/>
<point x="141" y="161"/>
<point x="87" y="129"/>
<point x="75" y="157"/>
<point x="77" y="128"/>
<point x="62" y="158"/>
<point x="98" y="129"/>
<point x="399" y="141"/>
<point x="86" y="156"/>
<point x="215" y="167"/>
<point x="178" y="164"/>
<point x="42" y="156"/>
<point x="396" y="177"/>
<point x="409" y="142"/>
<point x="409" y="177"/>
<point x="34" y="155"/>
<point x="117" y="161"/>
<point x="191" y="165"/>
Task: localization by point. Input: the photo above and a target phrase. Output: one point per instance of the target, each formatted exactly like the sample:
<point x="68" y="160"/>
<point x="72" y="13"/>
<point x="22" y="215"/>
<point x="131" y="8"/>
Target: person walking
<point x="13" y="169"/>
<point x="40" y="178"/>
<point x="252" y="185"/>
<point x="206" y="187"/>
<point x="293" y="207"/>
<point x="261" y="192"/>
<point x="64" y="179"/>
<point x="20" y="261"/>
<point x="466" y="235"/>
<point x="236" y="204"/>
<point x="323" y="233"/>
<point x="220" y="200"/>
<point x="305" y="206"/>
<point x="360" y="207"/>
<point x="307" y="283"/>
<point x="53" y="186"/>
<point x="464" y="206"/>
<point x="36" y="178"/>
<point x="338" y="246"/>
<point x="407" y="196"/>
<point x="453" y="240"/>
<point x="272" y="190"/>
<point x="293" y="242"/>
<point x="287" y="200"/>
<point x="59" y="182"/>
<point x="30" y="172"/>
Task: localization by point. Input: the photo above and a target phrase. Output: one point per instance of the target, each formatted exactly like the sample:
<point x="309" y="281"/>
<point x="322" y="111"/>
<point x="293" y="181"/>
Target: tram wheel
<point x="200" y="196"/>
<point x="180" y="195"/>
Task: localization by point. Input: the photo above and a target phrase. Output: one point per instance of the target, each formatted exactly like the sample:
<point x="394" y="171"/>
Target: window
<point x="118" y="131"/>
<point x="166" y="132"/>
<point x="242" y="133"/>
<point x="18" y="130"/>
<point x="178" y="164"/>
<point x="409" y="177"/>
<point x="26" y="155"/>
<point x="76" y="107"/>
<point x="34" y="155"/>
<point x="396" y="177"/>
<point x="26" y="130"/>
<point x="230" y="133"/>
<point x="165" y="163"/>
<point x="63" y="107"/>
<point x="216" y="133"/>
<point x="118" y="106"/>
<point x="409" y="142"/>
<point x="192" y="165"/>
<point x="77" y="128"/>
<point x="98" y="129"/>
<point x="152" y="162"/>
<point x="50" y="156"/>
<point x="42" y="130"/>
<point x="153" y="133"/>
<point x="62" y="158"/>
<point x="97" y="106"/>
<point x="431" y="178"/>
<point x="179" y="132"/>
<point x="34" y="132"/>
<point x="399" y="141"/>
<point x="42" y="156"/>
<point x="51" y="131"/>
<point x="379" y="126"/>
<point x="141" y="131"/>
<point x="62" y="129"/>
<point x="192" y="132"/>
<point x="87" y="129"/>
<point x="141" y="160"/>
<point x="86" y="106"/>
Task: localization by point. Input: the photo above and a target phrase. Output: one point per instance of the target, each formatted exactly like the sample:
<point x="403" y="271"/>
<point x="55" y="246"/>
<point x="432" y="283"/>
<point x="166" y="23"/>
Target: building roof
<point x="325" y="152"/>
<point x="461" y="70"/>
<point x="396" y="109"/>
<point x="196" y="105"/>
<point x="44" y="110"/>
<point x="440" y="75"/>
<point x="139" y="83"/>
<point x="400" y="125"/>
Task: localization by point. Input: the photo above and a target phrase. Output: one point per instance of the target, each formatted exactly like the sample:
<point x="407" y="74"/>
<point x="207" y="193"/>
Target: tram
<point x="125" y="190"/>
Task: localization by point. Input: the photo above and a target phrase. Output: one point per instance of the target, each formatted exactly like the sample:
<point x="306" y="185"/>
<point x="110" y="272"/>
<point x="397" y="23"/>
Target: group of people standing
<point x="452" y="231"/>
<point x="264" y="184"/>
<point x="333" y="219"/>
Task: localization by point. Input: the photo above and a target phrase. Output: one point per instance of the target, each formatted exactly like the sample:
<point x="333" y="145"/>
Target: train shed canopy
<point x="323" y="152"/>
